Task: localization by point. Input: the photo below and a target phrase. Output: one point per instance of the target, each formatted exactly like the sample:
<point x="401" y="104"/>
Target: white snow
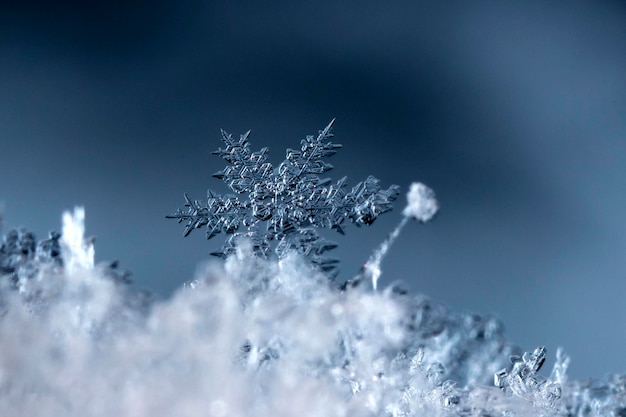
<point x="422" y="204"/>
<point x="78" y="253"/>
<point x="251" y="337"/>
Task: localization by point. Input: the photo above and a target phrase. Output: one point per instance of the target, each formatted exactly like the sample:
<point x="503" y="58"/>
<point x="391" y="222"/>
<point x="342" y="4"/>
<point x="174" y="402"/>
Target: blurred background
<point x="515" y="114"/>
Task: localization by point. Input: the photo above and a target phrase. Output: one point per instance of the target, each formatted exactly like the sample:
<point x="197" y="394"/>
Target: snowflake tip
<point x="211" y="231"/>
<point x="325" y="133"/>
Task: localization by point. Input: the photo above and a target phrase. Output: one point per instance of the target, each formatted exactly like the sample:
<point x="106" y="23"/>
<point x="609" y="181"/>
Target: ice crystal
<point x="422" y="205"/>
<point x="78" y="254"/>
<point x="522" y="380"/>
<point x="285" y="204"/>
<point x="263" y="337"/>
<point x="23" y="258"/>
<point x="256" y="337"/>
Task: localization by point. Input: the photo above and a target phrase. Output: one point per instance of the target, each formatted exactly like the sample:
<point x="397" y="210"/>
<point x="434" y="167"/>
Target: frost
<point x="522" y="380"/>
<point x="261" y="336"/>
<point x="284" y="204"/>
<point x="24" y="260"/>
<point x="257" y="337"/>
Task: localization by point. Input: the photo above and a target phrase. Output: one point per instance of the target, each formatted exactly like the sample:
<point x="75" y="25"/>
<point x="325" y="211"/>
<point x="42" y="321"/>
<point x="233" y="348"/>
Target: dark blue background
<point x="514" y="114"/>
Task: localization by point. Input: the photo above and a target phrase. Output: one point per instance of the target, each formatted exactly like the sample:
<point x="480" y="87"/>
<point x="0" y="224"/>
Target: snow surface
<point x="254" y="337"/>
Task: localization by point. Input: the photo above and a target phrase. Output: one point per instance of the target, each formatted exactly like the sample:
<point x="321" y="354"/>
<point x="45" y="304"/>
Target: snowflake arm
<point x="221" y="214"/>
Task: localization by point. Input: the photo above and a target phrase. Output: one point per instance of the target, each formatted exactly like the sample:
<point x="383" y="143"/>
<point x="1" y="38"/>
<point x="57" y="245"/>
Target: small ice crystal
<point x="422" y="204"/>
<point x="280" y="337"/>
<point x="22" y="257"/>
<point x="78" y="252"/>
<point x="523" y="380"/>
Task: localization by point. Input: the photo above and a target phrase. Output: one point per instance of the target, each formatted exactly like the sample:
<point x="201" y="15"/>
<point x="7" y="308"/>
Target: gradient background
<point x="514" y="114"/>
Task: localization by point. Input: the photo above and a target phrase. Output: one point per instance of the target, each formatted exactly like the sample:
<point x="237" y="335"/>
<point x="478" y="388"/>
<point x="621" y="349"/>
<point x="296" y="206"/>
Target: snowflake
<point x="284" y="205"/>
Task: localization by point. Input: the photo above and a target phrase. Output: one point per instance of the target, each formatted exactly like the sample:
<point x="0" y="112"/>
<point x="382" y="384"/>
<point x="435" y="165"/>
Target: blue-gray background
<point x="514" y="114"/>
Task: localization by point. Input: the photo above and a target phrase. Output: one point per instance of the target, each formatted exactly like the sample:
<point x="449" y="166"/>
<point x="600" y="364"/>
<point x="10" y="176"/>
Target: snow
<point x="257" y="337"/>
<point x="422" y="204"/>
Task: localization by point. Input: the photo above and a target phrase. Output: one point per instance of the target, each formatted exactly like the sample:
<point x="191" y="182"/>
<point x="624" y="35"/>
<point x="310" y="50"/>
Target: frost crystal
<point x="78" y="252"/>
<point x="24" y="259"/>
<point x="255" y="337"/>
<point x="21" y="256"/>
<point x="285" y="204"/>
<point x="522" y="380"/>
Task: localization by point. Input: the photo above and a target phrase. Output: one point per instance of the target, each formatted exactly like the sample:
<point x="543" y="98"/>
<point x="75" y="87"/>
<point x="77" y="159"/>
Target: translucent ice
<point x="285" y="204"/>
